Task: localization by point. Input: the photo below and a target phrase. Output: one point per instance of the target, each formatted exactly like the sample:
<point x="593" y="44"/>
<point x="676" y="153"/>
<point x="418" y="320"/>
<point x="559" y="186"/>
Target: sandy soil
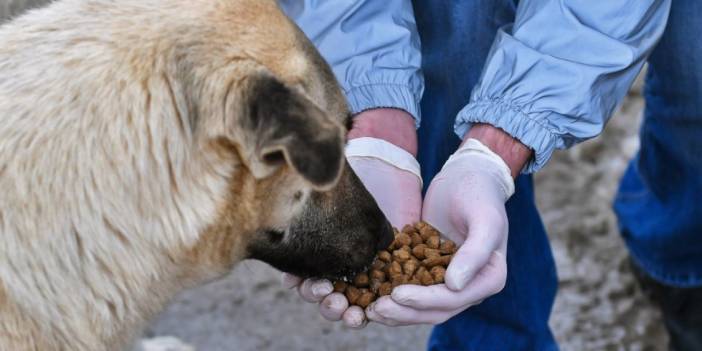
<point x="599" y="306"/>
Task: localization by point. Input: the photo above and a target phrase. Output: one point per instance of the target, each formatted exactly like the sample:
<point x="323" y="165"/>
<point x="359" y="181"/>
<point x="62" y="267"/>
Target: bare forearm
<point x="392" y="125"/>
<point x="513" y="152"/>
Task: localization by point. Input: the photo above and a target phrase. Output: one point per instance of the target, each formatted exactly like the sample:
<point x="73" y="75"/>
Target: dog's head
<point x="315" y="216"/>
<point x="295" y="198"/>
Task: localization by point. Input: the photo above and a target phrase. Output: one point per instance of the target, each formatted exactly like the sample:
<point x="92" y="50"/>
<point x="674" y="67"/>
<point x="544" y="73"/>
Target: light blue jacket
<point x="552" y="79"/>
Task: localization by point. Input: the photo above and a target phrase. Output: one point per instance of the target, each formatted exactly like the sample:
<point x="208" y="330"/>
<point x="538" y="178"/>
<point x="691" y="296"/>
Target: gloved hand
<point x="465" y="202"/>
<point x="392" y="176"/>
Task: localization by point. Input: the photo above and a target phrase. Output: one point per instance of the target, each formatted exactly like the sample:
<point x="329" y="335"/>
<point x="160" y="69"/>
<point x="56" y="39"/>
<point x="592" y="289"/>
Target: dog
<point x="147" y="146"/>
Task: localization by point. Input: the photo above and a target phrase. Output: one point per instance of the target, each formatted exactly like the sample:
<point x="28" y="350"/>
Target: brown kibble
<point x="403" y="239"/>
<point x="361" y="280"/>
<point x="438" y="273"/>
<point x="365" y="299"/>
<point x="408" y="228"/>
<point x="392" y="244"/>
<point x="377" y="274"/>
<point x="378" y="265"/>
<point x="437" y="261"/>
<point x="394" y="269"/>
<point x="431" y="253"/>
<point x="416" y="239"/>
<point x="399" y="280"/>
<point x="352" y="294"/>
<point x="374" y="285"/>
<point x="400" y="255"/>
<point x="385" y="289"/>
<point x="418" y="251"/>
<point x="428" y="232"/>
<point x="433" y="242"/>
<point x="425" y="277"/>
<point x="417" y="256"/>
<point x="448" y="247"/>
<point x="409" y="267"/>
<point x="340" y="286"/>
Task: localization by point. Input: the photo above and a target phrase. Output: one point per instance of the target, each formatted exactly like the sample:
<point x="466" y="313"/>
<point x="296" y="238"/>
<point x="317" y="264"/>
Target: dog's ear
<point x="289" y="128"/>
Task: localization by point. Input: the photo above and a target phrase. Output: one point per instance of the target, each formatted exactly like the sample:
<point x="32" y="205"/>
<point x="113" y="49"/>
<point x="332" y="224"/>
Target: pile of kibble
<point x="418" y="256"/>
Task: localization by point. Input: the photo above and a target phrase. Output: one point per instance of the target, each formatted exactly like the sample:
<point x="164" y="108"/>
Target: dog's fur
<point x="148" y="145"/>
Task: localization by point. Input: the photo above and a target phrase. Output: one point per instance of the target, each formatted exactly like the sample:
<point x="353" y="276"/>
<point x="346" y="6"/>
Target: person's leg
<point x="456" y="37"/>
<point x="659" y="205"/>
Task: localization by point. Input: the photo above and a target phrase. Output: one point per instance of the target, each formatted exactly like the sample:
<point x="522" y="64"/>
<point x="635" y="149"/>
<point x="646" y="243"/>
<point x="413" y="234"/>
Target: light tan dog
<point x="148" y="145"/>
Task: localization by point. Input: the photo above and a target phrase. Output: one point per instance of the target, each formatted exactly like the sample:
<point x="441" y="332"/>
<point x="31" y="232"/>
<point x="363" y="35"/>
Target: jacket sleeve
<point x="372" y="47"/>
<point x="554" y="77"/>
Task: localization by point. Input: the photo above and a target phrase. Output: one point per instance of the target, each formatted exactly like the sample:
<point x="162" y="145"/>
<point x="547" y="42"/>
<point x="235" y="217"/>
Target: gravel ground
<point x="599" y="306"/>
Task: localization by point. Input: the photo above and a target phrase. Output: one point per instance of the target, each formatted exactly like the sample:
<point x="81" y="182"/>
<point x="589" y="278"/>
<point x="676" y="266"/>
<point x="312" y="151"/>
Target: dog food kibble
<point x="394" y="269"/>
<point x="377" y="274"/>
<point x="340" y="286"/>
<point x="418" y="251"/>
<point x="433" y="242"/>
<point x="361" y="280"/>
<point x="417" y="256"/>
<point x="384" y="256"/>
<point x="352" y="294"/>
<point x="447" y="248"/>
<point x="401" y="255"/>
<point x="385" y="289"/>
<point x="365" y="299"/>
<point x="437" y="273"/>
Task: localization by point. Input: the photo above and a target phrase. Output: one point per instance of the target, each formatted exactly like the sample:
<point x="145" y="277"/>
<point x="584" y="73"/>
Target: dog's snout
<point x="386" y="236"/>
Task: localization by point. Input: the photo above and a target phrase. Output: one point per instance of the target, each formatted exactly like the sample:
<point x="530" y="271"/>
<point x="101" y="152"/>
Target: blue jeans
<point x="663" y="185"/>
<point x="659" y="204"/>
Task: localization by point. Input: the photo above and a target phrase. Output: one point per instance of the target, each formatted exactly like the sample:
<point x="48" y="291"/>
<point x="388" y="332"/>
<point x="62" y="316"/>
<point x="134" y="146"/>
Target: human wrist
<point x="364" y="148"/>
<point x="512" y="151"/>
<point x="392" y="125"/>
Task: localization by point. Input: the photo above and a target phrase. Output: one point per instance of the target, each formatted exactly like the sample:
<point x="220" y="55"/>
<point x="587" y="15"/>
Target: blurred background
<point x="599" y="305"/>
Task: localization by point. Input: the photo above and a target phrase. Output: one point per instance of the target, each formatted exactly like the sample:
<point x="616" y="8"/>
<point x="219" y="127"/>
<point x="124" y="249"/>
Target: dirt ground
<point x="599" y="306"/>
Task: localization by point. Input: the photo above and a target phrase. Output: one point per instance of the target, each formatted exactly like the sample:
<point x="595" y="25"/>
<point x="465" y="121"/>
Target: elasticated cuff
<point x="514" y="122"/>
<point x="381" y="95"/>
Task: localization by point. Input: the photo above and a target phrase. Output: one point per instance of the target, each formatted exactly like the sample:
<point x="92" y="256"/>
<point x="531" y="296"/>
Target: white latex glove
<point x="466" y="202"/>
<point x="392" y="176"/>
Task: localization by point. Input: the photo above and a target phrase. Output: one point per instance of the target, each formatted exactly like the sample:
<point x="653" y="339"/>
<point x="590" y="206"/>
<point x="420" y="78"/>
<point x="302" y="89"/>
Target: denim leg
<point x="456" y="37"/>
<point x="659" y="204"/>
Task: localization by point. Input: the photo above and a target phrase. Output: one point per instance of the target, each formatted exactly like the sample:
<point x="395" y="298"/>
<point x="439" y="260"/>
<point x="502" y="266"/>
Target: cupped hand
<point x="465" y="202"/>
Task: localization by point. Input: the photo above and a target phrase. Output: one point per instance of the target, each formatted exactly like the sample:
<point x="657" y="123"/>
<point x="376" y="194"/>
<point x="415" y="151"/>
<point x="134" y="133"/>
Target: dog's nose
<point x="386" y="236"/>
